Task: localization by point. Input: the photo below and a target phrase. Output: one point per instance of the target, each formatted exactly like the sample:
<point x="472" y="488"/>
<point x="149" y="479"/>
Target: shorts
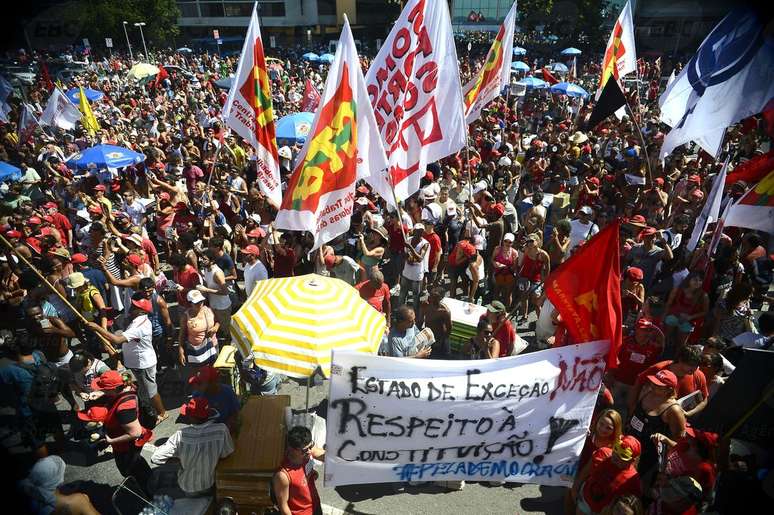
<point x="146" y="382"/>
<point x="683" y="327"/>
<point x="504" y="279"/>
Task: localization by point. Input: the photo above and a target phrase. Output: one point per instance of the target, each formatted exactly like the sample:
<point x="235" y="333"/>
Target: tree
<point x="104" y="18"/>
<point x="534" y="12"/>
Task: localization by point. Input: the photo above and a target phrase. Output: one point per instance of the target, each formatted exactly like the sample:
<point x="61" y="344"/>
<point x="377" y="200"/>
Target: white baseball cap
<point x="195" y="297"/>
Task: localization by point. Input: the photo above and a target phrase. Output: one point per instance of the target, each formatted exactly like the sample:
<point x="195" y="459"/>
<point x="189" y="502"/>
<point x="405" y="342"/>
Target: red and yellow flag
<point x="343" y="146"/>
<point x="248" y="111"/>
<point x="586" y="290"/>
<point x="620" y="54"/>
<point x="496" y="72"/>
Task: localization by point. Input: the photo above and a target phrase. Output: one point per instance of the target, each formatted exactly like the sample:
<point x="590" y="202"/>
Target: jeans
<point x="405" y="286"/>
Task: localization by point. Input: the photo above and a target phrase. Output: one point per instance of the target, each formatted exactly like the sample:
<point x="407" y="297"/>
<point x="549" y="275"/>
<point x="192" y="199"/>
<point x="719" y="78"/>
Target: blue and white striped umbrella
<point x="520" y="66"/>
<point x="571" y="51"/>
<point x="569" y="89"/>
<point x="533" y="83"/>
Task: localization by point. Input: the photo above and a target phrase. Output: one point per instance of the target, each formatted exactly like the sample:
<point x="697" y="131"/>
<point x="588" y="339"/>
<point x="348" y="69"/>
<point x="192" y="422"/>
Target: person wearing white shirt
<point x="582" y="228"/>
<point x="414" y="267"/>
<point x="199" y="447"/>
<point x="137" y="350"/>
<point x="134" y="209"/>
<point x="254" y="269"/>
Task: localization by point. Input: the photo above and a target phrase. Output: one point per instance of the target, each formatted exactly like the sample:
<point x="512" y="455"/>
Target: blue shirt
<point x="225" y="401"/>
<point x="15" y="384"/>
<point x="401" y="344"/>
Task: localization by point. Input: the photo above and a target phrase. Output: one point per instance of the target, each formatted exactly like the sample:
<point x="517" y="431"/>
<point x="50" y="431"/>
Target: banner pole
<point x="108" y="346"/>
<point x="642" y="139"/>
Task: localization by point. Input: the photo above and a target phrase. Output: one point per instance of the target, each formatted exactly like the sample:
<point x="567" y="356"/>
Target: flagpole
<point x="108" y="346"/>
<point x="397" y="206"/>
<point x="642" y="139"/>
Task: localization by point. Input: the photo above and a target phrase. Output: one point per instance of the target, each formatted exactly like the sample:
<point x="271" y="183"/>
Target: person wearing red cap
<point x="656" y="410"/>
<point x="632" y="294"/>
<point x="221" y="397"/>
<point x="656" y="200"/>
<point x="138" y="354"/>
<point x="100" y="199"/>
<point x="638" y="351"/>
<point x="128" y="285"/>
<point x="613" y="473"/>
<point x="60" y="222"/>
<point x="648" y="253"/>
<point x="693" y="455"/>
<point x="342" y="267"/>
<point x="589" y="193"/>
<point x="123" y="431"/>
<point x="199" y="446"/>
<point x="254" y="270"/>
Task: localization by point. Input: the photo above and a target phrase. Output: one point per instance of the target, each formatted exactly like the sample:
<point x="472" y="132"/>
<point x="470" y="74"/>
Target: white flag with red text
<point x="496" y="72"/>
<point x="414" y="87"/>
<point x="343" y="146"/>
<point x="248" y="111"/>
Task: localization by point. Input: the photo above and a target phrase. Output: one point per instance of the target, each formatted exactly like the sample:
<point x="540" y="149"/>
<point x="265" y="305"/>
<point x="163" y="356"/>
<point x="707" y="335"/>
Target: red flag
<point x="586" y="290"/>
<point x="46" y="76"/>
<point x="311" y="98"/>
<point x="753" y="170"/>
<point x="549" y="78"/>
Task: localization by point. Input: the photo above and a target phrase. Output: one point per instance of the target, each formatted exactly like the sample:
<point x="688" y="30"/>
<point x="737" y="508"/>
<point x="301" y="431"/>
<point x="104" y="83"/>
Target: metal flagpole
<point x="642" y="138"/>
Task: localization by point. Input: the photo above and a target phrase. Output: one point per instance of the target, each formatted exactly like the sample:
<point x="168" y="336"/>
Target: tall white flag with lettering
<point x="248" y="111"/>
<point x="414" y="88"/>
<point x="730" y="78"/>
<point x="60" y="111"/>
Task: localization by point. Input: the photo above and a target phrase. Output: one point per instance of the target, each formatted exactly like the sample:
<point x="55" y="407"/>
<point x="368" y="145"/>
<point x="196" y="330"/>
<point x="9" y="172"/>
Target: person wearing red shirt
<point x="503" y="329"/>
<point x="613" y="473"/>
<point x="689" y="378"/>
<point x="376" y="292"/>
<point x="692" y="455"/>
<point x="434" y="251"/>
<point x="285" y="256"/>
<point x="293" y="484"/>
<point x="185" y="276"/>
<point x="638" y="352"/>
<point x="60" y="222"/>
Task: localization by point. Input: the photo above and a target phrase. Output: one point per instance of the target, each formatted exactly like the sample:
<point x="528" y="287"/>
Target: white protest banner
<point x="517" y="419"/>
<point x="414" y="87"/>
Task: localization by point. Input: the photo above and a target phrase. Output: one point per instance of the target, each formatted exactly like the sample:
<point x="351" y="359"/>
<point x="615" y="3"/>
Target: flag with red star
<point x="586" y="290"/>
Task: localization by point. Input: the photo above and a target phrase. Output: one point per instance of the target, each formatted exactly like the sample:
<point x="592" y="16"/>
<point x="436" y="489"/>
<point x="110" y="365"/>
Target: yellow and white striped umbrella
<point x="292" y="324"/>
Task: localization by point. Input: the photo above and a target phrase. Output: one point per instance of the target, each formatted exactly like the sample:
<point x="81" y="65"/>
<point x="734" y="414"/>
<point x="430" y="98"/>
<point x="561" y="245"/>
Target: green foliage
<point x="104" y="18"/>
<point x="534" y="12"/>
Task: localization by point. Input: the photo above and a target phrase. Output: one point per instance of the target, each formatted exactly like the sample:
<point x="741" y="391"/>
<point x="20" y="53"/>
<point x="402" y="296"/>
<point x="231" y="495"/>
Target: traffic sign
<point x="215" y="34"/>
<point x="109" y="42"/>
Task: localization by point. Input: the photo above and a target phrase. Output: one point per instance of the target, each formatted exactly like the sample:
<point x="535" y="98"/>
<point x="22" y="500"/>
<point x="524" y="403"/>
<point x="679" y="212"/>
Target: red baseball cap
<point x="34" y="220"/>
<point x="99" y="187"/>
<point x="648" y="231"/>
<point x="204" y="375"/>
<point x="638" y="219"/>
<point x="79" y="258"/>
<point x="664" y="378"/>
<point x="142" y="303"/>
<point x="330" y="261"/>
<point x="109" y="380"/>
<point x="13" y="234"/>
<point x="498" y="209"/>
<point x="707" y="439"/>
<point x="163" y="195"/>
<point x="48" y="218"/>
<point x="93" y="414"/>
<point x="467" y="248"/>
<point x="252" y="250"/>
<point x="197" y="407"/>
<point x="593" y="180"/>
<point x="257" y="233"/>
<point x="644" y="323"/>
<point x="634" y="273"/>
<point x="628" y="448"/>
<point x="694" y="178"/>
<point x="134" y="259"/>
<point x="51" y="205"/>
<point x="659" y="181"/>
<point x="97" y="210"/>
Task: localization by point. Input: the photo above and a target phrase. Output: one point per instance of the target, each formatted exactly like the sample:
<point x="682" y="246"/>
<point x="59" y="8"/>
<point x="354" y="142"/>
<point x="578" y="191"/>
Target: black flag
<point x="610" y="100"/>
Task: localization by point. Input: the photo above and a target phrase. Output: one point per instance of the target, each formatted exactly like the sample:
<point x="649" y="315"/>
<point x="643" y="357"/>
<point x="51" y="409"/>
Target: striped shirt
<point x="198" y="447"/>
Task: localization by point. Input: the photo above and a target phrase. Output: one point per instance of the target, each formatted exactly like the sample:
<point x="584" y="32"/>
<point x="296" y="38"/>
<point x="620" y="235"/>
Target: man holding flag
<point x="343" y="146"/>
<point x="248" y="111"/>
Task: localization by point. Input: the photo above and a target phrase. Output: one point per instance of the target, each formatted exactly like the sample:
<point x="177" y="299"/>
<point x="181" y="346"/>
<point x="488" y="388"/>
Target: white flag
<point x="711" y="209"/>
<point x="414" y="87"/>
<point x="730" y="78"/>
<point x="343" y="146"/>
<point x="620" y="54"/>
<point x="496" y="72"/>
<point x="60" y="111"/>
<point x="248" y="111"/>
<point x="27" y="124"/>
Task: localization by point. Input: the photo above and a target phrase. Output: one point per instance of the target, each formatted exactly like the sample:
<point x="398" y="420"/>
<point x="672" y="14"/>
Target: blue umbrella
<point x="184" y="50"/>
<point x="9" y="172"/>
<point x="327" y="58"/>
<point x="225" y="82"/>
<point x="311" y="56"/>
<point x="558" y="67"/>
<point x="520" y="66"/>
<point x="109" y="156"/>
<point x="533" y="83"/>
<point x="571" y="51"/>
<point x="569" y="89"/>
<point x="517" y="50"/>
<point x="74" y="94"/>
<point x="294" y="128"/>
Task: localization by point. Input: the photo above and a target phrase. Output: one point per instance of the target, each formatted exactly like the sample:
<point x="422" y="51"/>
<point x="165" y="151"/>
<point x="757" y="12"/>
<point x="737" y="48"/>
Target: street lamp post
<point x="128" y="44"/>
<point x="142" y="36"/>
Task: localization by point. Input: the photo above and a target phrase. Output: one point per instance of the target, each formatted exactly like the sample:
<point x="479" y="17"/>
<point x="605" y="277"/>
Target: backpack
<point x="45" y="387"/>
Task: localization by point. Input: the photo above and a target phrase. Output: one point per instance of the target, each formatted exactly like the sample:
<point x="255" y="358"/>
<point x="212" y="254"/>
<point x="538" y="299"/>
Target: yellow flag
<point x="89" y="121"/>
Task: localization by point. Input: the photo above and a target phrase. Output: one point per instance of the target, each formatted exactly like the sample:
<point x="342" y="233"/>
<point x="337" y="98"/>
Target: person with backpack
<point x="163" y="329"/>
<point x="31" y="385"/>
<point x="123" y="430"/>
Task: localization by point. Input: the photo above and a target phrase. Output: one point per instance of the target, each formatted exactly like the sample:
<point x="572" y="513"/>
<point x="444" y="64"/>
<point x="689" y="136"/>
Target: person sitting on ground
<point x="199" y="446"/>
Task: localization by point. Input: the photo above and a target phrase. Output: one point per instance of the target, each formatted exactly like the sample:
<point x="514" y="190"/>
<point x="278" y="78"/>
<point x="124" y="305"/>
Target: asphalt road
<point x="97" y="476"/>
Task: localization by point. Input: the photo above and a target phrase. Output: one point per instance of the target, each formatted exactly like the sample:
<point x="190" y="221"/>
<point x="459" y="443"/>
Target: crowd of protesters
<point x="156" y="257"/>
